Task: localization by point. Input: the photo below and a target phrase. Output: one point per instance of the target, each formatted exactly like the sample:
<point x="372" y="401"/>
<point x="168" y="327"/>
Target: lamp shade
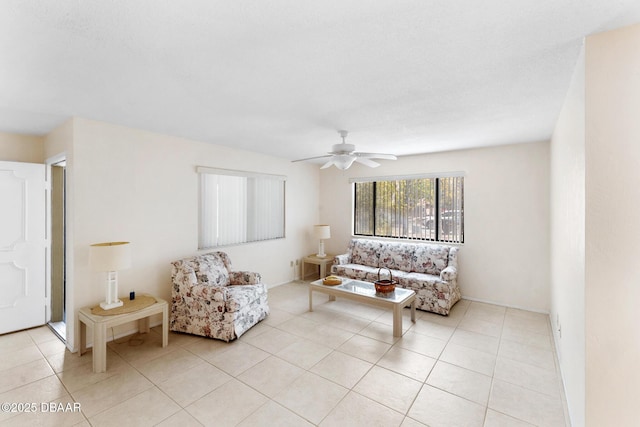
<point x="322" y="231"/>
<point x="110" y="256"/>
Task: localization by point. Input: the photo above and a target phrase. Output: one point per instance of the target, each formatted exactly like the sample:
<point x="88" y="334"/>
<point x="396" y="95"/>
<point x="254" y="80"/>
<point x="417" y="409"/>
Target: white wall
<point x="142" y="187"/>
<point x="612" y="247"/>
<point x="505" y="256"/>
<point x="568" y="243"/>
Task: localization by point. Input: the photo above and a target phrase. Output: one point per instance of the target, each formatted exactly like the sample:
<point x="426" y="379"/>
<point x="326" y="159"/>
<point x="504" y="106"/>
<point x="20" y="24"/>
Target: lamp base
<point x="109" y="305"/>
<point x="321" y="253"/>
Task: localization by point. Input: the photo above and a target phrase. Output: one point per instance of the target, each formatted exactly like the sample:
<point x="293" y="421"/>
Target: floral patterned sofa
<point x="428" y="269"/>
<point x="211" y="300"/>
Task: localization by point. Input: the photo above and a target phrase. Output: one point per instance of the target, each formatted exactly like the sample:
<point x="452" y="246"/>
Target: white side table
<point x="99" y="324"/>
<point x="316" y="260"/>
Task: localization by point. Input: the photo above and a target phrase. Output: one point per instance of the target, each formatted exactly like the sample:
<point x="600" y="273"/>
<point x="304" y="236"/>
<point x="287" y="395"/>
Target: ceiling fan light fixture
<point x="343" y="162"/>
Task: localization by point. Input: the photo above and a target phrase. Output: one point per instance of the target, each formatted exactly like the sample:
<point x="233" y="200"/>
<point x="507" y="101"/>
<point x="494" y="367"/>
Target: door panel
<point x="22" y="246"/>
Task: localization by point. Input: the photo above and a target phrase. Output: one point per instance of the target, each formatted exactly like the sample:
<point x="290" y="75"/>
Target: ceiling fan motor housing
<point x="343" y="148"/>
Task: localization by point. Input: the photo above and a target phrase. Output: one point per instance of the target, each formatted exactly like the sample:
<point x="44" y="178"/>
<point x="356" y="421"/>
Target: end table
<point x="316" y="260"/>
<point x="99" y="324"/>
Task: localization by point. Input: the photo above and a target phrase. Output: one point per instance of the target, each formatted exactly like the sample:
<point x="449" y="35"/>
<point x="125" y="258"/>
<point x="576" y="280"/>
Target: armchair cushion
<point x="210" y="269"/>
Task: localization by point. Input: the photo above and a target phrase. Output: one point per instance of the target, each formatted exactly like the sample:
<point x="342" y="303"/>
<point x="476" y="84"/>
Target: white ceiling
<point x="281" y="76"/>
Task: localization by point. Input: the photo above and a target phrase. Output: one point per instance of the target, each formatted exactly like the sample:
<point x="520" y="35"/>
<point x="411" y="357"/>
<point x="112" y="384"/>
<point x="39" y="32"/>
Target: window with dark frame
<point x="423" y="208"/>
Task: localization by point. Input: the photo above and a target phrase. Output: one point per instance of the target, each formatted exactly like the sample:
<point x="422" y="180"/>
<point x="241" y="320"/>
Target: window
<point x="239" y="207"/>
<point x="422" y="208"/>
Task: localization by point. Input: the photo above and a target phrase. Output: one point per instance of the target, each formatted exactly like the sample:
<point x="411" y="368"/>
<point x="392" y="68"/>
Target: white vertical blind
<point x="239" y="207"/>
<point x="208" y="219"/>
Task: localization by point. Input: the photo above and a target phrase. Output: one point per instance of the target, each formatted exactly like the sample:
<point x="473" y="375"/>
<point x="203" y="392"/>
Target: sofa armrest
<point x="244" y="278"/>
<point x="453" y="257"/>
<point x="341" y="259"/>
<point x="449" y="273"/>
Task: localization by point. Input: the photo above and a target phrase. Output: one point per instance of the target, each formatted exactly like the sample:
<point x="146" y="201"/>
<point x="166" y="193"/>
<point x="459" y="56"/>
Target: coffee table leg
<point x="310" y="300"/>
<point x="397" y="320"/>
<point x="413" y="311"/>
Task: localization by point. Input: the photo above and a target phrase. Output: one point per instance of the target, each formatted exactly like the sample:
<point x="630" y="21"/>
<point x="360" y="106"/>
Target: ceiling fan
<point x="343" y="155"/>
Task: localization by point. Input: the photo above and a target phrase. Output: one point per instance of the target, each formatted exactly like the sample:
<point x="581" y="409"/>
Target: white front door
<point x="22" y="246"/>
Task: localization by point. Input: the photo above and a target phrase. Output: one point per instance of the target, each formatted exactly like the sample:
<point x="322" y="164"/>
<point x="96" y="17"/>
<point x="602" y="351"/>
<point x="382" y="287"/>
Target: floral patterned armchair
<point x="211" y="300"/>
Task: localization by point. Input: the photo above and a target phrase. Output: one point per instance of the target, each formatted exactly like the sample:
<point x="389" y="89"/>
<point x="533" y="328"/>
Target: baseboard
<point x="517" y="307"/>
<point x="563" y="389"/>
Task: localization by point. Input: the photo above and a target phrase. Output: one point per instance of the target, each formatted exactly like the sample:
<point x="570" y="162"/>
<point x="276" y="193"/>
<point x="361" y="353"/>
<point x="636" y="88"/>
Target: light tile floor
<point x="483" y="365"/>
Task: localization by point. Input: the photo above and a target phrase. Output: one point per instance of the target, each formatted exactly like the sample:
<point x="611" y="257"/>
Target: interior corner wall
<point x="505" y="255"/>
<point x="568" y="243"/>
<point x="612" y="248"/>
<point x="138" y="186"/>
<point x="21" y="148"/>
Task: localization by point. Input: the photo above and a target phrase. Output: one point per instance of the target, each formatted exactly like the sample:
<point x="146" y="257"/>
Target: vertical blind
<point x="422" y="207"/>
<point x="451" y="209"/>
<point x="240" y="207"/>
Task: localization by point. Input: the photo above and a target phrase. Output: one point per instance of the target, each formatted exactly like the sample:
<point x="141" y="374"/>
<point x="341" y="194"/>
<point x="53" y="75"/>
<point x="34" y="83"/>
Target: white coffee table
<point x="365" y="292"/>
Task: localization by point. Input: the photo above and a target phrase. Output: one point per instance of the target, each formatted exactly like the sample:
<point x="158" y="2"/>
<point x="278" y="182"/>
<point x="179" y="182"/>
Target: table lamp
<point x="321" y="232"/>
<point x="110" y="257"/>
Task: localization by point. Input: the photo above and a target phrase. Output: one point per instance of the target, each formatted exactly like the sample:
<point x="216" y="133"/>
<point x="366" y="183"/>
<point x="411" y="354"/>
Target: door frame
<point x="70" y="315"/>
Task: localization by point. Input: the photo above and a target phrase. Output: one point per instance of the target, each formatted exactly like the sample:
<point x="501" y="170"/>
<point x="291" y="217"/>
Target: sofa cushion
<point x="397" y="256"/>
<point x="416" y="281"/>
<point x="430" y="259"/>
<point x="356" y="271"/>
<point x="365" y="252"/>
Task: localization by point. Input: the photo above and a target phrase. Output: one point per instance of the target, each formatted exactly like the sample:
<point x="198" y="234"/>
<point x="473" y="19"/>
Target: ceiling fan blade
<point x="311" y="158"/>
<point x="327" y="165"/>
<point x="376" y="156"/>
<point x="367" y="162"/>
